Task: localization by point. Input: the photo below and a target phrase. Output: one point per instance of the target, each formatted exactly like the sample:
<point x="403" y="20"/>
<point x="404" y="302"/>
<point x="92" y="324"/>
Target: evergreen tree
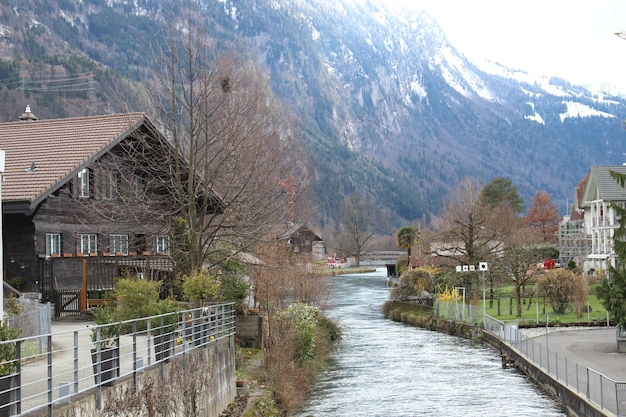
<point x="499" y="190"/>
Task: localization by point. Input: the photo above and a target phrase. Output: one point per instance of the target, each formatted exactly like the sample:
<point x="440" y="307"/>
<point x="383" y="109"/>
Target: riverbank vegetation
<point x="297" y="337"/>
<point x="558" y="297"/>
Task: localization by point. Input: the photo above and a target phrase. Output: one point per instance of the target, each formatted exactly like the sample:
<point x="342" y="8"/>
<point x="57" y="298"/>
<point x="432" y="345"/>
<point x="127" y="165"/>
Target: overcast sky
<point x="573" y="39"/>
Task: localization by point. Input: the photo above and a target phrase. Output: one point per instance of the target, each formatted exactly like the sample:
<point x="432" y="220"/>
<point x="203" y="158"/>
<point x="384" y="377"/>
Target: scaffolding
<point x="573" y="242"/>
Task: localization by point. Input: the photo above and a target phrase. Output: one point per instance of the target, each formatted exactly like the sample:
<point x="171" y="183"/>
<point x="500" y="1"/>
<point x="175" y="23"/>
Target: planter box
<point x="163" y="346"/>
<point x="9" y="390"/>
<point x="109" y="365"/>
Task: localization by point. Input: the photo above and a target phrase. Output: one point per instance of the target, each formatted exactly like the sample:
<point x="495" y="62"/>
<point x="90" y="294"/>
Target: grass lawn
<point x="534" y="311"/>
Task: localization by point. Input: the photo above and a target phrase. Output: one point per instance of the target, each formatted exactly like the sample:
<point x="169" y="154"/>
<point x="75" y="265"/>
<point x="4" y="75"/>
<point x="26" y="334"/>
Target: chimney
<point x="28" y="115"/>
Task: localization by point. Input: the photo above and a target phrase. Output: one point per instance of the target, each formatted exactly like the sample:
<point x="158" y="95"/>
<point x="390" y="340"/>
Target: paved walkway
<point x="584" y="359"/>
<point x="593" y="348"/>
<point x="70" y="373"/>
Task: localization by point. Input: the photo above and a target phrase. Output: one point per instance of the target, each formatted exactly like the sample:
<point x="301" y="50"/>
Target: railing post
<point x="98" y="370"/>
<point x="601" y="392"/>
<point x="148" y="342"/>
<point x="556" y="357"/>
<point x="75" y="361"/>
<point x="49" y="359"/>
<point x="134" y="355"/>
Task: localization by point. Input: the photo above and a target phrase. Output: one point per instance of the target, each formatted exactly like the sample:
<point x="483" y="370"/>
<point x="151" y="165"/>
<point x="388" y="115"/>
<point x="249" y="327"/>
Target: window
<point x="140" y="187"/>
<point x="83" y="183"/>
<point x="87" y="243"/>
<point x="118" y="244"/>
<point x="109" y="185"/>
<point x="140" y="243"/>
<point x="163" y="244"/>
<point x="53" y="244"/>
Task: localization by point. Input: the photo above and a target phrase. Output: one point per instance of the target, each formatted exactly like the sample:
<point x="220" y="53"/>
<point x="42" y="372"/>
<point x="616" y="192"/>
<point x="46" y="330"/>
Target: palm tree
<point x="406" y="237"/>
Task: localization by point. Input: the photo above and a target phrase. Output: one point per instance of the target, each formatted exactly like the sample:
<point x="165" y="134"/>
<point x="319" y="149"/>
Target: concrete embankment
<point x="201" y="382"/>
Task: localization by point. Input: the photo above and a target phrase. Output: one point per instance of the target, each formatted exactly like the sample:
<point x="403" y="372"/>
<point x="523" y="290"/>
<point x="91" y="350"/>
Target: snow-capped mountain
<point x="389" y="108"/>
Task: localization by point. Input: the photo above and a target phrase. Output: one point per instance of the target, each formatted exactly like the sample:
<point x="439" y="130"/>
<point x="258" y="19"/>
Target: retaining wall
<point x="201" y="383"/>
<point x="249" y="330"/>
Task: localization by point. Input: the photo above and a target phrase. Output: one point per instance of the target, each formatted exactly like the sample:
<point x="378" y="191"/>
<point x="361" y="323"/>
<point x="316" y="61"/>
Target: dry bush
<point x="182" y="392"/>
<point x="289" y="380"/>
<point x="564" y="288"/>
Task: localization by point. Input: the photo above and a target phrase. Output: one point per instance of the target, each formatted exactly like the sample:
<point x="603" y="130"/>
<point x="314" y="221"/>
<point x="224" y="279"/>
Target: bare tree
<point x="232" y="141"/>
<point x="359" y="222"/>
<point x="464" y="231"/>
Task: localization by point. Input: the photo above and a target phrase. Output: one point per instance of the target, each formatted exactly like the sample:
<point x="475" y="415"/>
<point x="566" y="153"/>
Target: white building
<point x="600" y="194"/>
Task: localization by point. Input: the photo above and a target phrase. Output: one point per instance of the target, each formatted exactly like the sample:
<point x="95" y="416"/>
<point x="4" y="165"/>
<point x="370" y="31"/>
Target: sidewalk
<point x="595" y="348"/>
<point x="585" y="360"/>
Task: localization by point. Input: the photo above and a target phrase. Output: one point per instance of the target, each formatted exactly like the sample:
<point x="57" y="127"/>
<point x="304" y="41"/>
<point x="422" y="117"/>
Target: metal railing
<point x="52" y="368"/>
<point x="459" y="311"/>
<point x="593" y="385"/>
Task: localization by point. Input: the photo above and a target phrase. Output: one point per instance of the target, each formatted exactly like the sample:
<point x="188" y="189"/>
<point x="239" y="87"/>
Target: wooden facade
<point x="303" y="240"/>
<point x="66" y="226"/>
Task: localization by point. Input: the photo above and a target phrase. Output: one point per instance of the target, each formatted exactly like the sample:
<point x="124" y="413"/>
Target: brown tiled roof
<point x="42" y="155"/>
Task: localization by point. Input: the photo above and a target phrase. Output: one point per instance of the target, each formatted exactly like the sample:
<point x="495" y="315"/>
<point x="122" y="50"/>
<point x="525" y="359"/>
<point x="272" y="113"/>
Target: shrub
<point x="201" y="285"/>
<point x="302" y="320"/>
<point x="564" y="288"/>
<point x="8" y="351"/>
<point x="133" y="298"/>
<point x="412" y="284"/>
<point x="105" y="318"/>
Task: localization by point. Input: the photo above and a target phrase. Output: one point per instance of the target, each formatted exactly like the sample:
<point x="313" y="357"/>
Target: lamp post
<point x="484" y="267"/>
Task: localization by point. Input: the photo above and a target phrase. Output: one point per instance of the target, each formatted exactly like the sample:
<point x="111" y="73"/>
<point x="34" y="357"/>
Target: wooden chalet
<point x="68" y="229"/>
<point x="303" y="241"/>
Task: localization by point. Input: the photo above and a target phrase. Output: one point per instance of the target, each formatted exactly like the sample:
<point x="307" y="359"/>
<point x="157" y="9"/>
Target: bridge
<point x="381" y="258"/>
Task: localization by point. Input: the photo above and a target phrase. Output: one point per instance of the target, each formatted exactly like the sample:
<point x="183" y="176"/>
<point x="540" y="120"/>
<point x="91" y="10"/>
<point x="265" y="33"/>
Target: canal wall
<point x="201" y="382"/>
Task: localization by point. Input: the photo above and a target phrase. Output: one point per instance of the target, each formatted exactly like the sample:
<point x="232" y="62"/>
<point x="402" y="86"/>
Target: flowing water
<point x="384" y="368"/>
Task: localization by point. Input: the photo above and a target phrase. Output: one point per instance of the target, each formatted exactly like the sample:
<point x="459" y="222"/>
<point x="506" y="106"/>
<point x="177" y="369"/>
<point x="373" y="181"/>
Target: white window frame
<point x="162" y="244"/>
<point x="118" y="243"/>
<point x="83" y="183"/>
<point x="53" y="244"/>
<point x="87" y="243"/>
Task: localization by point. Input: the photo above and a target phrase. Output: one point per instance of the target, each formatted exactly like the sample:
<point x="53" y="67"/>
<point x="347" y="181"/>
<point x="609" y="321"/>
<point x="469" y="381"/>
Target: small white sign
<point x="2" y="158"/>
<point x="465" y="268"/>
<point x="458" y="268"/>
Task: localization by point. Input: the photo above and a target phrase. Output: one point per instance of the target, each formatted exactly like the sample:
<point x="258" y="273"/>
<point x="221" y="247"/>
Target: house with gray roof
<point x="600" y="193"/>
<point x="74" y="204"/>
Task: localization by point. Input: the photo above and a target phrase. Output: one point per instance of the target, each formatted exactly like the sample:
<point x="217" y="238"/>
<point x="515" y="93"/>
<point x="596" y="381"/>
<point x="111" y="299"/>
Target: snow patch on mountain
<point x="535" y="117"/>
<point x="575" y="109"/>
<point x="459" y="77"/>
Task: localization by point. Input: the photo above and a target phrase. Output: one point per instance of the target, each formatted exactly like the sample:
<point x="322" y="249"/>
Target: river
<point x="384" y="368"/>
